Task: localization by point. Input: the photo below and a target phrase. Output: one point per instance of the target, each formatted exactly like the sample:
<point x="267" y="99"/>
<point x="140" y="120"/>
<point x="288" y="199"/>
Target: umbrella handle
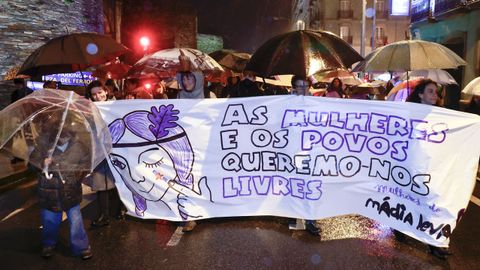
<point x="47" y="175"/>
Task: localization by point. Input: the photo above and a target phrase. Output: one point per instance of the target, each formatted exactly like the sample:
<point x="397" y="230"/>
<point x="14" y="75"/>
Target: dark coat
<point x="20" y="93"/>
<point x="64" y="190"/>
<point x="473" y="108"/>
<point x="101" y="178"/>
<point x="247" y="88"/>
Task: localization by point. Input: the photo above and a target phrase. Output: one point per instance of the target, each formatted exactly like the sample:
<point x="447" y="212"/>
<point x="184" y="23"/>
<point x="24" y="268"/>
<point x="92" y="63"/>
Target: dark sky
<point x="243" y="24"/>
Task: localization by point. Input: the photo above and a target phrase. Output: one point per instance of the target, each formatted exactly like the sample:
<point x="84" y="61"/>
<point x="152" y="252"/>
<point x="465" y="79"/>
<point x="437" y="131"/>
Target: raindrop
<point x="315" y="259"/>
<point x="92" y="48"/>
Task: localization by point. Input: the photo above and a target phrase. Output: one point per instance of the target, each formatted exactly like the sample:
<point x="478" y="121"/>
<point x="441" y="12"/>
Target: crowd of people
<point x="186" y="85"/>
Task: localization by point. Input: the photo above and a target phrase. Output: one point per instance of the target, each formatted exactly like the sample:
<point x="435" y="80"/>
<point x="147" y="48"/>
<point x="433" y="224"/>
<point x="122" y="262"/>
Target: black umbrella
<point x="302" y="53"/>
<point x="230" y="59"/>
<point x="71" y="53"/>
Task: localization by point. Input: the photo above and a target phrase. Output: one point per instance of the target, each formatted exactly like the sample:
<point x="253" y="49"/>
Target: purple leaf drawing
<point x="163" y="118"/>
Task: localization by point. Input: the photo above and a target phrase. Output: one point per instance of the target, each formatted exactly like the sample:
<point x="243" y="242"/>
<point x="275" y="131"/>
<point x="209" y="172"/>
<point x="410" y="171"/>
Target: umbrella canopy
<point x="438" y="75"/>
<point x="166" y="63"/>
<point x="302" y="53"/>
<point x="473" y="87"/>
<point x="344" y="75"/>
<point x="112" y="71"/>
<point x="230" y="59"/>
<point x="33" y="127"/>
<point x="278" y="80"/>
<point x="71" y="53"/>
<point x="402" y="90"/>
<point x="410" y="55"/>
<point x="13" y="74"/>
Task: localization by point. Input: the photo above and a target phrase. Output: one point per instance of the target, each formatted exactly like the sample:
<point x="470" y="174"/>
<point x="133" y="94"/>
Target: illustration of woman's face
<point x="149" y="162"/>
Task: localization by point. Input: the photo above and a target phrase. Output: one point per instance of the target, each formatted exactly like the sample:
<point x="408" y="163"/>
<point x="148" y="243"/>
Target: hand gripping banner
<point x="408" y="166"/>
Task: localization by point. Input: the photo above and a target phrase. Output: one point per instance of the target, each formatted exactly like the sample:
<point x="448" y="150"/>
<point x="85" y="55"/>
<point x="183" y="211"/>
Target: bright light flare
<point x="144" y="41"/>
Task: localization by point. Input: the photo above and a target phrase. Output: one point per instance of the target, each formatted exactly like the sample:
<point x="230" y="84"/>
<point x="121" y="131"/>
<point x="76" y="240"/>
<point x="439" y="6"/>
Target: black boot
<point x="399" y="236"/>
<point x="121" y="212"/>
<point x="101" y="221"/>
<point x="439" y="252"/>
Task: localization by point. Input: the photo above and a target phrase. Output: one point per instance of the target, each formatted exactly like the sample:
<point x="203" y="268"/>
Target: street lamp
<point x="145" y="42"/>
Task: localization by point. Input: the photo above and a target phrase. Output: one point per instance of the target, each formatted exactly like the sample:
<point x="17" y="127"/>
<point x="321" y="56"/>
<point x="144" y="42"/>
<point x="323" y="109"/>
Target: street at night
<point x="347" y="242"/>
<point x="240" y="134"/>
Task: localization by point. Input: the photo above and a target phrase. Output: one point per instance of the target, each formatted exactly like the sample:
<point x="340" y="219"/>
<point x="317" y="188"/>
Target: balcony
<point x="345" y="14"/>
<point x="446" y="5"/>
<point x="348" y="39"/>
<point x="381" y="14"/>
<point x="419" y="15"/>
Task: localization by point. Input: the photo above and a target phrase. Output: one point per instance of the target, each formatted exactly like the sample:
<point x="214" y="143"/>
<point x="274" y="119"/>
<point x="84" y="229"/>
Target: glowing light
<point x="148" y="86"/>
<point x="145" y="42"/>
<point x="92" y="48"/>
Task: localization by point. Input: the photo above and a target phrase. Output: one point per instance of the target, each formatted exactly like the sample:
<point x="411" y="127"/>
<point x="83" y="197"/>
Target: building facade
<point x="25" y="25"/>
<point x="344" y="18"/>
<point x="455" y="24"/>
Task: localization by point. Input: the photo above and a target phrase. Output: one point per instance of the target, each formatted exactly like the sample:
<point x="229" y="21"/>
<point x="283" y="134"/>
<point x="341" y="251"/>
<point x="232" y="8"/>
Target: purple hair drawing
<point x="157" y="128"/>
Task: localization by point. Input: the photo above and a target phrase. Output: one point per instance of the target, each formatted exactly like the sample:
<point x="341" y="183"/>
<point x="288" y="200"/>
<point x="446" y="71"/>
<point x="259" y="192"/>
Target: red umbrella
<point x="402" y="90"/>
<point x="166" y="63"/>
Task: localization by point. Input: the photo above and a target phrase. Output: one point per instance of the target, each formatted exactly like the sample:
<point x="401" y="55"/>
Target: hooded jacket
<point x="198" y="90"/>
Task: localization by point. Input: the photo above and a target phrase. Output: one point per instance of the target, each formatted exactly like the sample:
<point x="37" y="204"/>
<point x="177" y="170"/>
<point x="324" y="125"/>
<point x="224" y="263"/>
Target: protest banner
<point x="408" y="166"/>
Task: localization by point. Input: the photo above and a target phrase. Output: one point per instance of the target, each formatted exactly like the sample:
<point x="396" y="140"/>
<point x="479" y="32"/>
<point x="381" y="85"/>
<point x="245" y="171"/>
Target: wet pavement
<point x="347" y="242"/>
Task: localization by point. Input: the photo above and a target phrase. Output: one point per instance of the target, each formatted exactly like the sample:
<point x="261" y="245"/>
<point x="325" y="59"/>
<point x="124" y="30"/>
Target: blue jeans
<point x="51" y="226"/>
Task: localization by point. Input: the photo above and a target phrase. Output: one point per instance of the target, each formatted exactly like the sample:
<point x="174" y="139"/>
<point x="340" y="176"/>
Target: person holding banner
<point x="101" y="179"/>
<point x="300" y="87"/>
<point x="191" y="85"/>
<point x="425" y="93"/>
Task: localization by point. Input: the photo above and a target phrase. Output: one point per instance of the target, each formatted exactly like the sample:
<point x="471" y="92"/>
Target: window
<point x="344" y="31"/>
<point x="379" y="32"/>
<point x="380" y="6"/>
<point x="344" y="5"/>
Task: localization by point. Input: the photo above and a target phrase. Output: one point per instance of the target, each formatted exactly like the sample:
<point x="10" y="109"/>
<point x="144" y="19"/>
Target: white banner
<point x="408" y="166"/>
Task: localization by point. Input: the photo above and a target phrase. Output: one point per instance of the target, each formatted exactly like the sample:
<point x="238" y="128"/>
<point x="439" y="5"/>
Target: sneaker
<point x="312" y="228"/>
<point x="101" y="221"/>
<point x="47" y="252"/>
<point x="439" y="252"/>
<point x="86" y="254"/>
<point x="189" y="226"/>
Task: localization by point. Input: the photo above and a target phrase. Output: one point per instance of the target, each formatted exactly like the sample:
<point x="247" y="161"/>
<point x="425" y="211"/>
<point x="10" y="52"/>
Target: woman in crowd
<point x="101" y="180"/>
<point x="335" y="89"/>
<point x="426" y="93"/>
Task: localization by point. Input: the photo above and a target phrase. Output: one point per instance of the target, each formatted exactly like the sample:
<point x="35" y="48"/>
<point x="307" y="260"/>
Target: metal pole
<point x="374" y="29"/>
<point x="362" y="36"/>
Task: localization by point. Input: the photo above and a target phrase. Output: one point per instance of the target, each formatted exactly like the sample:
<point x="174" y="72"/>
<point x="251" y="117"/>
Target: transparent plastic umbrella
<point x="35" y="127"/>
